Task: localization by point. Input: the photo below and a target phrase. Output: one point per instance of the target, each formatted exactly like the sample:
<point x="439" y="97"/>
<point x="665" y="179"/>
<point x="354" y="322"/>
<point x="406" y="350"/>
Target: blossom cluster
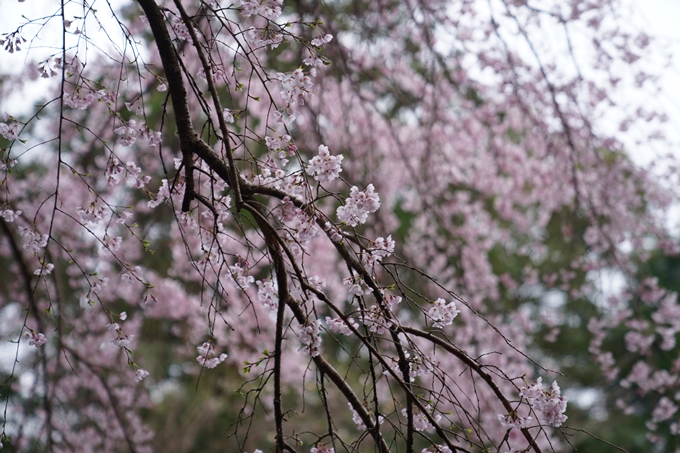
<point x="420" y="420"/>
<point x="92" y="213"/>
<point x="44" y="270"/>
<point x="379" y="249"/>
<point x="417" y="366"/>
<point x="269" y="9"/>
<point x="310" y="338"/>
<point x="9" y="215"/>
<point x="35" y="339"/>
<point x="122" y="341"/>
<point x="339" y="326"/>
<point x="32" y="240"/>
<point x="180" y="29"/>
<point x="436" y="449"/>
<point x="164" y="193"/>
<point x="130" y="132"/>
<point x="358" y="206"/>
<point x="240" y="276"/>
<point x="283" y="146"/>
<point x="12" y="41"/>
<point x="375" y="320"/>
<point x="325" y="167"/>
<point x="321" y="449"/>
<point x="300" y="228"/>
<point x="548" y="404"/>
<point x="356" y="286"/>
<point x="356" y="418"/>
<point x="82" y="101"/>
<point x="140" y="375"/>
<point x="295" y="87"/>
<point x="267" y="294"/>
<point x="263" y="37"/>
<point x="208" y="356"/>
<point x="10" y="131"/>
<point x="443" y="314"/>
<point x="321" y="40"/>
<point x="217" y="75"/>
<point x="273" y="176"/>
<point x="513" y="420"/>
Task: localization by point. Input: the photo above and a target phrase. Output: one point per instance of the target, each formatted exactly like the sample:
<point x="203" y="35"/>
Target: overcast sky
<point x="662" y="19"/>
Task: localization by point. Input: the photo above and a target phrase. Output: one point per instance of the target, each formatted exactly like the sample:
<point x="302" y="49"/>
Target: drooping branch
<point x="273" y="242"/>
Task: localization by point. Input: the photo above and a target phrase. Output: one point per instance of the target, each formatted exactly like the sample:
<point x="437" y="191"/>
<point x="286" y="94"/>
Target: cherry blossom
<point x="267" y="294"/>
<point x="270" y="9"/>
<point x="128" y="133"/>
<point x="664" y="410"/>
<point x="80" y="101"/>
<point x="260" y="38"/>
<point x="295" y="87"/>
<point x="35" y="339"/>
<point x="356" y="418"/>
<point x="340" y="326"/>
<point x="321" y="40"/>
<point x="9" y="215"/>
<point x="44" y="270"/>
<point x="382" y="248"/>
<point x="310" y="339"/>
<point x="325" y="167"/>
<point x="92" y="213"/>
<point x="420" y="421"/>
<point x="513" y="420"/>
<point x="171" y="180"/>
<point x="548" y="404"/>
<point x="208" y="355"/>
<point x="122" y="341"/>
<point x="32" y="240"/>
<point x="240" y="276"/>
<point x="10" y="131"/>
<point x="140" y="375"/>
<point x="436" y="449"/>
<point x="321" y="449"/>
<point x="228" y="115"/>
<point x="375" y="320"/>
<point x="359" y="204"/>
<point x="442" y="314"/>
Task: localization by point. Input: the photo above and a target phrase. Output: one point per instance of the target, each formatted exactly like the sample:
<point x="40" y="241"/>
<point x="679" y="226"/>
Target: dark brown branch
<point x="189" y="142"/>
<point x="233" y="175"/>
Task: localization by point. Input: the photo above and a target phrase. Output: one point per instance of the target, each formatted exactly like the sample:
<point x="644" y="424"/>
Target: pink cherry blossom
<point x="420" y="421"/>
<point x="140" y="375"/>
<point x="209" y="356"/>
<point x="180" y="176"/>
<point x="325" y="167"/>
<point x="359" y="204"/>
<point x="35" y="339"/>
<point x="310" y="338"/>
<point x="339" y="326"/>
<point x="442" y="314"/>
<point x="548" y="404"/>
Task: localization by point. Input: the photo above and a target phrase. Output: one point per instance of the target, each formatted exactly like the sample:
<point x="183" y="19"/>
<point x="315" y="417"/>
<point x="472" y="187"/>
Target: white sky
<point x="662" y="20"/>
